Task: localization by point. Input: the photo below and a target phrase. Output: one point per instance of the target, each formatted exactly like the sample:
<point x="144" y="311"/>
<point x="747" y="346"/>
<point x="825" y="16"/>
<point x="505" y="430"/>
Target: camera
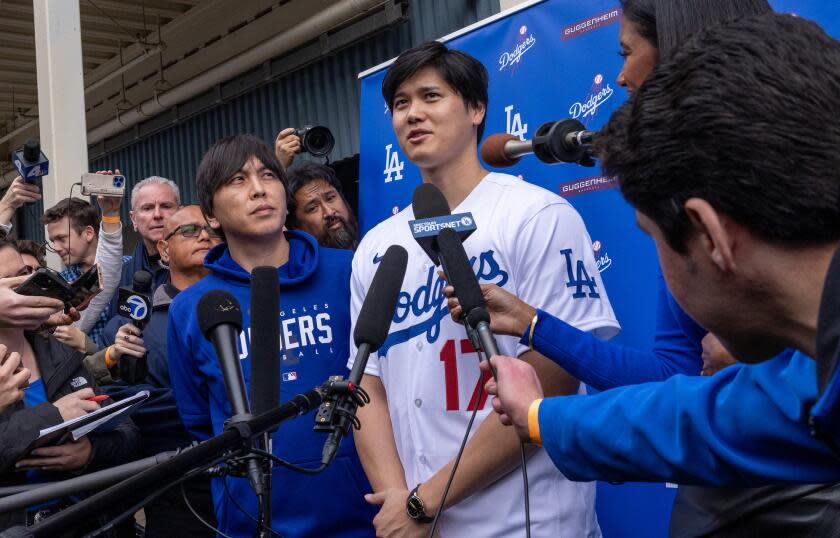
<point x="316" y="140"/>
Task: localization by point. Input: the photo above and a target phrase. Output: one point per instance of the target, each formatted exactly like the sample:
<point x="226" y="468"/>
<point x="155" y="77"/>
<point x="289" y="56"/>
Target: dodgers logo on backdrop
<point x="602" y="259"/>
<point x="393" y="165"/>
<point x="598" y="95"/>
<point x="524" y="43"/>
<point x="428" y="299"/>
<point x="515" y="126"/>
<point x="138" y="306"/>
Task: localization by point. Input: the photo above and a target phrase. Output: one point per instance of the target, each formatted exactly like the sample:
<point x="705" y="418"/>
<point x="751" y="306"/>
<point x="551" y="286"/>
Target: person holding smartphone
<point x="58" y="390"/>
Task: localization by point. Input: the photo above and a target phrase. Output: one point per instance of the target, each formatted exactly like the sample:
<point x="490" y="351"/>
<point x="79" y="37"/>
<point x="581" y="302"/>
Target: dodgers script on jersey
<point x="534" y="244"/>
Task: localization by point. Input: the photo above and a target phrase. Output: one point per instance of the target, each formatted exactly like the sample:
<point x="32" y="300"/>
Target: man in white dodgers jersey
<point x="424" y="381"/>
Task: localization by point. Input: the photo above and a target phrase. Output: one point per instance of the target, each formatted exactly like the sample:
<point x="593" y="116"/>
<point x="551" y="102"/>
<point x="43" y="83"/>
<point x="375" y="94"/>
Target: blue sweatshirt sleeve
<point x="745" y="426"/>
<point x="188" y="385"/>
<point x="604" y="365"/>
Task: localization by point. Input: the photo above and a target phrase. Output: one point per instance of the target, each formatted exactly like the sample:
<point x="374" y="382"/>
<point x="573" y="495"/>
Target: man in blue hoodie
<point x="242" y="189"/>
<point x="728" y="152"/>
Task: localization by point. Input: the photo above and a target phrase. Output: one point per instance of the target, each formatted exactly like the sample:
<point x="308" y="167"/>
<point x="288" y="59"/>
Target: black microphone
<point x="265" y="339"/>
<point x="265" y="359"/>
<point x="220" y="321"/>
<point x="432" y="214"/>
<point x="30" y="161"/>
<point x="371" y="330"/>
<point x="136" y="304"/>
<point x="566" y="141"/>
<point x="461" y="276"/>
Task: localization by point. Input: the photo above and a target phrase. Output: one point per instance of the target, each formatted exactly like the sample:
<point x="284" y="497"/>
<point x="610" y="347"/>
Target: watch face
<point x="414" y="507"/>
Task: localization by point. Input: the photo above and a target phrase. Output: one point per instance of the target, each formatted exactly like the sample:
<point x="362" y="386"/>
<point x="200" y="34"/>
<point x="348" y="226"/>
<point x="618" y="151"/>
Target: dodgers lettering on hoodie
<point x="315" y="323"/>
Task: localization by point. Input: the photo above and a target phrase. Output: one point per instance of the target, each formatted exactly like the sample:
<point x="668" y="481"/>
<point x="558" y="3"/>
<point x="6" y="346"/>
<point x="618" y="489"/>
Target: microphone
<point x="371" y="330"/>
<point x="136" y="304"/>
<point x="265" y="359"/>
<point x="565" y="141"/>
<point x="432" y="214"/>
<point x="220" y="320"/>
<point x="30" y="161"/>
<point x="265" y="339"/>
<point x="461" y="276"/>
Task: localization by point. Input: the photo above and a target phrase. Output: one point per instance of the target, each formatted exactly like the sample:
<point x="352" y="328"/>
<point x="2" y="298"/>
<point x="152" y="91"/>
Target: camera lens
<point x="318" y="141"/>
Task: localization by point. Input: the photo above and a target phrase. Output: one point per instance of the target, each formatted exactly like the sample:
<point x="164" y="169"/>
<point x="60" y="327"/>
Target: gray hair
<point x="155" y="180"/>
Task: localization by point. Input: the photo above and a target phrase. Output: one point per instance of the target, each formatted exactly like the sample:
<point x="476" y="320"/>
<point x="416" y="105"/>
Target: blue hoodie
<point x="315" y="317"/>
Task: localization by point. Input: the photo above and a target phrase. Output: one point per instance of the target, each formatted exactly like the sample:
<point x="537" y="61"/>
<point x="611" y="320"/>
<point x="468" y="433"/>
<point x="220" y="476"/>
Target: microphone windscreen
<point x="215" y="308"/>
<point x="31" y="150"/>
<point x="493" y="150"/>
<point x="459" y="270"/>
<point x="142" y="282"/>
<point x="375" y="316"/>
<point x="265" y="339"/>
<point x="428" y="202"/>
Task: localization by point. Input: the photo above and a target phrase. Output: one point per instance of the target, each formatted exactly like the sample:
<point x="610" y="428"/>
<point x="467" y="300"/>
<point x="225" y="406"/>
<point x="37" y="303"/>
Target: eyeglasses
<point x="192" y="231"/>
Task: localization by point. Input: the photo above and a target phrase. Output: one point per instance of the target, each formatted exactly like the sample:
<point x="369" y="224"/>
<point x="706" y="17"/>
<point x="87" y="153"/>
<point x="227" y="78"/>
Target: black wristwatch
<point x="415" y="508"/>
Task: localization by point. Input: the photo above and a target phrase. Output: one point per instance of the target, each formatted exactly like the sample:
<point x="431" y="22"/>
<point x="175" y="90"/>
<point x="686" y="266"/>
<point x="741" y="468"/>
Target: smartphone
<point x="103" y="185"/>
<point x="46" y="283"/>
<point x="85" y="287"/>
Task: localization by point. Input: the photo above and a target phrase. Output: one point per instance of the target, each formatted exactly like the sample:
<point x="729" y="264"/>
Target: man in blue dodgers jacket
<point x="242" y="191"/>
<point x="746" y="223"/>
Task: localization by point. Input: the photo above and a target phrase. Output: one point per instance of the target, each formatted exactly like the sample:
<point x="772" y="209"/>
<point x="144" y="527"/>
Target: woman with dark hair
<point x="650" y="30"/>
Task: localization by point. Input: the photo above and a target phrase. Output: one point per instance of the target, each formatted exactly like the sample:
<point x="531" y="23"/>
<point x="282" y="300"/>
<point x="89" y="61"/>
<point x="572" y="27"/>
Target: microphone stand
<point x="235" y="438"/>
<point x="21" y="496"/>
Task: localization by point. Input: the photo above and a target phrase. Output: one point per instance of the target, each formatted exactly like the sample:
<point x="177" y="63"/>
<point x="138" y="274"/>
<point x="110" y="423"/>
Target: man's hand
<point x="18" y="194"/>
<point x="110" y="205"/>
<point x="24" y="311"/>
<point x="67" y="457"/>
<point x="128" y="341"/>
<point x="508" y="314"/>
<point x="76" y="404"/>
<point x="72" y="336"/>
<point x="517" y="387"/>
<point x="715" y="356"/>
<point x="286" y="146"/>
<point x="13" y="378"/>
<point x="392" y="521"/>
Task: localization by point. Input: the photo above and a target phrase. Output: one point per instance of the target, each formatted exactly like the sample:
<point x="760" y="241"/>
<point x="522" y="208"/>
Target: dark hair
<point x="465" y="74"/>
<point x="9" y="243"/>
<point x="36" y="250"/>
<point x="744" y="116"/>
<point x="643" y="14"/>
<point x="226" y="157"/>
<point x="81" y="213"/>
<point x="302" y="174"/>
<point x="667" y="23"/>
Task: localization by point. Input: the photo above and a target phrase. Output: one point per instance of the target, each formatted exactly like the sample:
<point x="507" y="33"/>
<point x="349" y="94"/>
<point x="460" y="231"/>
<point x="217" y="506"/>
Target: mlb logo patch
<point x="289" y="376"/>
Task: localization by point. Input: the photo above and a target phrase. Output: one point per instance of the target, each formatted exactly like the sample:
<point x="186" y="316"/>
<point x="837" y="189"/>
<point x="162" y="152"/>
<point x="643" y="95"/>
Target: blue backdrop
<point x="551" y="60"/>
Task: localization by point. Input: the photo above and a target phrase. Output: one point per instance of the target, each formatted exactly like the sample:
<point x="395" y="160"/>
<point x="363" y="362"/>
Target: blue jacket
<point x="600" y="364"/>
<point x="158" y="418"/>
<point x="315" y="318"/>
<point x="745" y="426"/>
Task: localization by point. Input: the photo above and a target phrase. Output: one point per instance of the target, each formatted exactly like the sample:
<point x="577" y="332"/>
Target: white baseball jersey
<point x="534" y="244"/>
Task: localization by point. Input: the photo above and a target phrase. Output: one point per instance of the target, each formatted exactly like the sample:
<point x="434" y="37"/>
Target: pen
<point x="100" y="398"/>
